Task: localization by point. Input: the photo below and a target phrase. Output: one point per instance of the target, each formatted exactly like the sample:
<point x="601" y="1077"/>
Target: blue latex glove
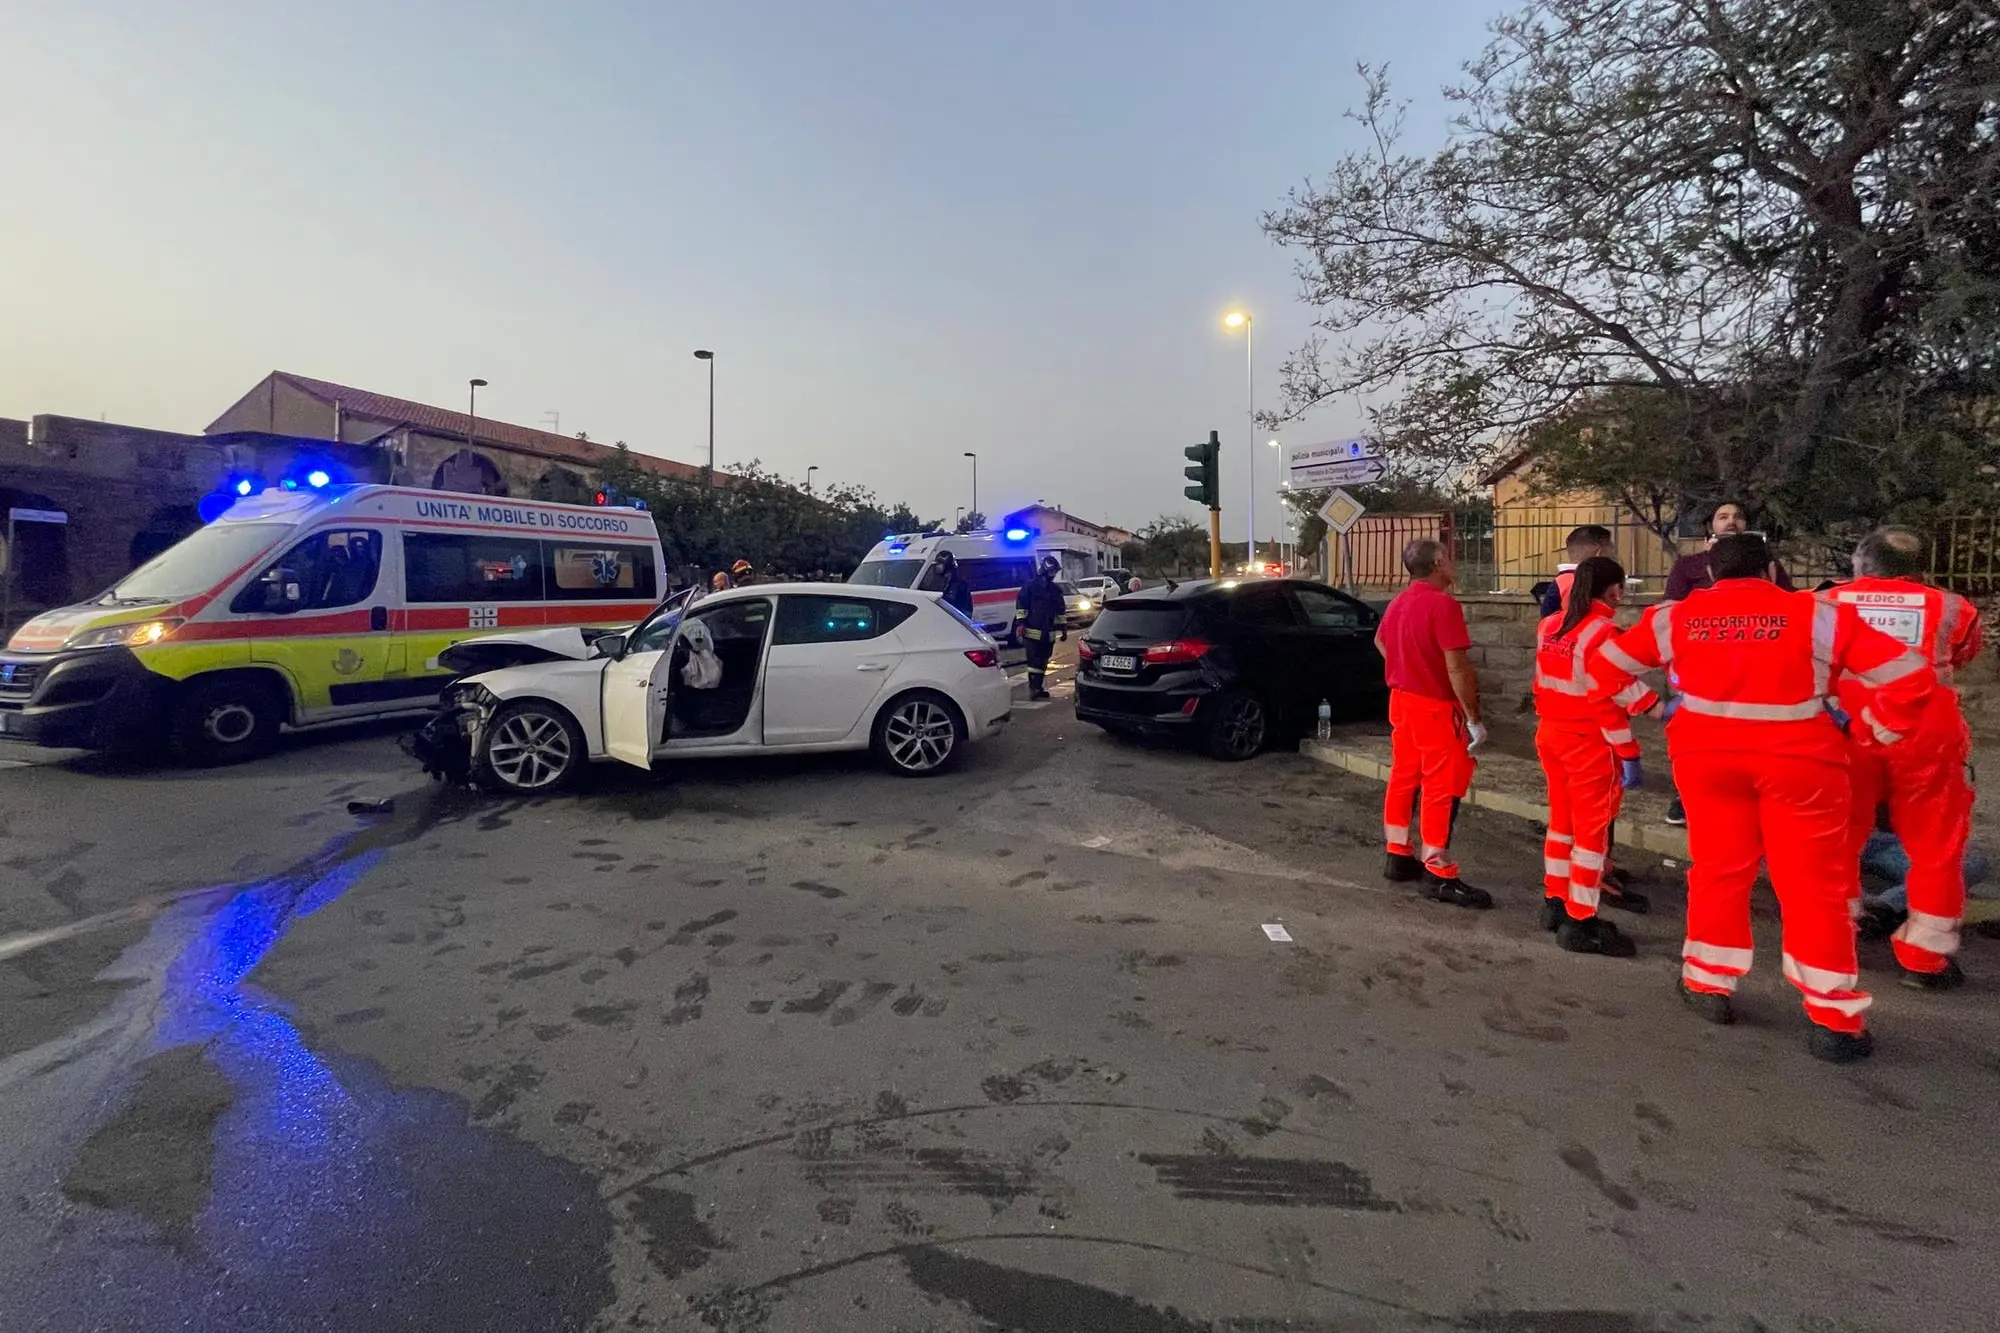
<point x="1671" y="707"/>
<point x="1631" y="773"/>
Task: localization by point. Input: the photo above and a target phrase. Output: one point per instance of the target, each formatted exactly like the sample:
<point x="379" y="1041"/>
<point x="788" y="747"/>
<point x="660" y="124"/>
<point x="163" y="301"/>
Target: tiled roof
<point x="486" y="430"/>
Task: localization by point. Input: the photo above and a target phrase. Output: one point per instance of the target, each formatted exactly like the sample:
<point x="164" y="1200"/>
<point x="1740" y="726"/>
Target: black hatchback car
<point x="1232" y="663"/>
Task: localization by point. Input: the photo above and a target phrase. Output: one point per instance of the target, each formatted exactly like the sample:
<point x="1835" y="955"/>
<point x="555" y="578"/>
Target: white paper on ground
<point x="1277" y="932"/>
<point x="1097" y="842"/>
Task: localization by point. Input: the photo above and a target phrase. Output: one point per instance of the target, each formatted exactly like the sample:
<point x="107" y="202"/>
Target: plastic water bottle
<point x="1325" y="720"/>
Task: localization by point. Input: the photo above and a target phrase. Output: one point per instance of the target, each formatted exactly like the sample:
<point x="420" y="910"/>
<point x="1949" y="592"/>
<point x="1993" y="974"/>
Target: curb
<point x="1668" y="842"/>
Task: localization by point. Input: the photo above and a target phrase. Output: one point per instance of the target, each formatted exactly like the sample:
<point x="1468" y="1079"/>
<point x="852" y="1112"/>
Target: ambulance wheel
<point x="226" y="721"/>
<point x="529" y="748"/>
<point x="1238" y="725"/>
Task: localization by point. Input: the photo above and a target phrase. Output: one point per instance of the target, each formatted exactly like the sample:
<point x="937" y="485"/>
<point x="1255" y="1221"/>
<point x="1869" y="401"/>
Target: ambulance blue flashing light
<point x="317" y="478"/>
<point x="1018" y="534"/>
<point x="244" y="486"/>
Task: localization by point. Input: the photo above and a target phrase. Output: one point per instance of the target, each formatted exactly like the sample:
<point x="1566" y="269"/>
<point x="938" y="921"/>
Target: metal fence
<point x="1503" y="553"/>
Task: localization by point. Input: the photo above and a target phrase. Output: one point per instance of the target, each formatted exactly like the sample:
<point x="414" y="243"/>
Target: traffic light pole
<point x="1207" y="492"/>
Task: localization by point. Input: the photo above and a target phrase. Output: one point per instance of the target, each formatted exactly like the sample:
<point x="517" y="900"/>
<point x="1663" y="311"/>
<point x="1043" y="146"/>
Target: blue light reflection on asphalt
<point x="292" y="1118"/>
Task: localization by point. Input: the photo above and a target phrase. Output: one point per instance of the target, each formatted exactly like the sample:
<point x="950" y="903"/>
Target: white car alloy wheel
<point x="918" y="735"/>
<point x="531" y="747"/>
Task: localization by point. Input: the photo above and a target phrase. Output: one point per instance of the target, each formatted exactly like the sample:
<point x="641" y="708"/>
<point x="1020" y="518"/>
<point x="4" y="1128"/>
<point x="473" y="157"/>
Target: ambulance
<point x="996" y="565"/>
<point x="299" y="607"/>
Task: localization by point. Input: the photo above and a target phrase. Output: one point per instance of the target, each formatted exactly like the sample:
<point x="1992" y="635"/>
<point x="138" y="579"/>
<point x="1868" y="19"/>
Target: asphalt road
<point x="796" y="1045"/>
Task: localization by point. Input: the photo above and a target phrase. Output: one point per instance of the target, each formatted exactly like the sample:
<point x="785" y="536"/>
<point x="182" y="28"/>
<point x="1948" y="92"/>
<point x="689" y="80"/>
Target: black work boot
<point x="1711" y="1007"/>
<point x="1595" y="935"/>
<point x="1619" y="893"/>
<point x="1950" y="977"/>
<point x="1840" y="1048"/>
<point x="1878" y="920"/>
<point x="1402" y="868"/>
<point x="1555" y="911"/>
<point x="1035" y="690"/>
<point x="1456" y="892"/>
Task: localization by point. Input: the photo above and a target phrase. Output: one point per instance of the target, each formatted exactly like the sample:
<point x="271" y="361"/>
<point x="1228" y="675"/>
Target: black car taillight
<point x="1176" y="651"/>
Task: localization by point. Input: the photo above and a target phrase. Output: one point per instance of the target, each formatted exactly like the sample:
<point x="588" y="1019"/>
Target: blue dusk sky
<point x="907" y="229"/>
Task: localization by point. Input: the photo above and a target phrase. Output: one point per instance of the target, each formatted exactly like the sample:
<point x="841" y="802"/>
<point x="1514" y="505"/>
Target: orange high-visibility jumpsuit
<point x="1923" y="779"/>
<point x="1762" y="770"/>
<point x="1580" y="742"/>
<point x="1429" y="734"/>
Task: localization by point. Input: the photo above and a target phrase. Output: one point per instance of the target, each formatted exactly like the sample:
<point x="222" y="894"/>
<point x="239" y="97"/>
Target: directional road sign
<point x="1336" y="463"/>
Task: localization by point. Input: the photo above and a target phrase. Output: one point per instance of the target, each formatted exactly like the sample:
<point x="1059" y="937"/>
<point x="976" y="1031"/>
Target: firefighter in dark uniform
<point x="1038" y="614"/>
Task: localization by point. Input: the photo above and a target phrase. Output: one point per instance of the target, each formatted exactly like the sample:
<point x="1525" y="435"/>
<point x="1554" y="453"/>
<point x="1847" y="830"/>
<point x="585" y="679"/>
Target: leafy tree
<point x="1169" y="545"/>
<point x="708" y="523"/>
<point x="1760" y="237"/>
<point x="971" y="522"/>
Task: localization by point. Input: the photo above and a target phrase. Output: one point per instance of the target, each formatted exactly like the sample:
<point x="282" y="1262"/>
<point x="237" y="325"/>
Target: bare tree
<point x="1759" y="212"/>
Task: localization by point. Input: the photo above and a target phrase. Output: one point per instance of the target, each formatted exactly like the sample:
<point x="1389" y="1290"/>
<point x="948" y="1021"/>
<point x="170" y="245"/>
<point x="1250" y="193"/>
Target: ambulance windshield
<point x="195" y="564"/>
<point x="887" y="573"/>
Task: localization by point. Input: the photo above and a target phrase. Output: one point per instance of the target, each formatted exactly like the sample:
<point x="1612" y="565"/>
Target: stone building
<point x="131" y="492"/>
<point x="431" y="446"/>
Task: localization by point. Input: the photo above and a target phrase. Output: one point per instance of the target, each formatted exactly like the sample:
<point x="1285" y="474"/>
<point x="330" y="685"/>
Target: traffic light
<point x="1206" y="490"/>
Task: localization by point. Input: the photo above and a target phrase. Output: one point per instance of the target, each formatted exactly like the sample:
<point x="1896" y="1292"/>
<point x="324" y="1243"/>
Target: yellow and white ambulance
<point x="301" y="607"/>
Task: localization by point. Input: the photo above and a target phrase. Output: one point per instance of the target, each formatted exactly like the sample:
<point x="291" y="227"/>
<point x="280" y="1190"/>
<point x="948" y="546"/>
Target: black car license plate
<point x="1124" y="662"/>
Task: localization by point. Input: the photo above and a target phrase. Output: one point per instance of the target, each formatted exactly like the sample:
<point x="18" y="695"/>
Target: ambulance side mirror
<point x="282" y="593"/>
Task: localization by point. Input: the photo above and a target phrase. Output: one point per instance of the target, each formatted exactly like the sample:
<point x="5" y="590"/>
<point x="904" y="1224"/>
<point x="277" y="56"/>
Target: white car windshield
<point x="195" y="564"/>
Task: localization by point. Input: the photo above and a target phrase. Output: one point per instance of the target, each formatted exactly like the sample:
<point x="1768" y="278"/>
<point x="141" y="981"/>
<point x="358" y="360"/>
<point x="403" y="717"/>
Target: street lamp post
<point x="703" y="354"/>
<point x="1284" y="522"/>
<point x="472" y="409"/>
<point x="1240" y="319"/>
<point x="975" y="480"/>
<point x="809" y="478"/>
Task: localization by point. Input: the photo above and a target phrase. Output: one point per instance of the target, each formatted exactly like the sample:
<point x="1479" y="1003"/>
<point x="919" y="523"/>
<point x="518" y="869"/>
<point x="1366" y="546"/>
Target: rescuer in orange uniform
<point x="1762" y="768"/>
<point x="1434" y="721"/>
<point x="1923" y="779"/>
<point x="1588" y="755"/>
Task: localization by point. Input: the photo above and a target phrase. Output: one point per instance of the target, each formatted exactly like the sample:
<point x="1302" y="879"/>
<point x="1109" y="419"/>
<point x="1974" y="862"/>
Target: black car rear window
<point x="1139" y="621"/>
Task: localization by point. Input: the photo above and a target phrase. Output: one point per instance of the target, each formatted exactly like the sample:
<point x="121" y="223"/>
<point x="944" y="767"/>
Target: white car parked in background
<point x="803" y="667"/>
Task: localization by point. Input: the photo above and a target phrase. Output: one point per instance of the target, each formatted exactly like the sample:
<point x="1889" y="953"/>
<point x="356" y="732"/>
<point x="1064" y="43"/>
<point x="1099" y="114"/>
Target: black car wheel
<point x="1237" y="726"/>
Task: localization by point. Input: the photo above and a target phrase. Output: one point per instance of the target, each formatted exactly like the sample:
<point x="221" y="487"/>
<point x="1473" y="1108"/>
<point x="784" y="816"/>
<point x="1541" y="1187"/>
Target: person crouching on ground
<point x="1434" y="721"/>
<point x="1589" y="758"/>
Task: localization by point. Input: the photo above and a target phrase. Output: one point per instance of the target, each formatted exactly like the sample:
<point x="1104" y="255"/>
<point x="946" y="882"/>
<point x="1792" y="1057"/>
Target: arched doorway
<point x="470" y="472"/>
<point x="40" y="574"/>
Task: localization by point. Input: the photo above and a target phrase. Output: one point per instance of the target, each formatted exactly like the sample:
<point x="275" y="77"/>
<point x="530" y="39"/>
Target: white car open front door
<point x="635" y="706"/>
<point x="636" y="684"/>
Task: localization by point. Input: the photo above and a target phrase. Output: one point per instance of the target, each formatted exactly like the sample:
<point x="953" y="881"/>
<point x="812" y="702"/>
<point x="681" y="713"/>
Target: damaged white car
<point x="784" y="668"/>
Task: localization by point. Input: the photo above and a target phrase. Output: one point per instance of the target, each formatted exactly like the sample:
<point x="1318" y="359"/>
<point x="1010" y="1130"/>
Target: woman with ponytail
<point x="1588" y="758"/>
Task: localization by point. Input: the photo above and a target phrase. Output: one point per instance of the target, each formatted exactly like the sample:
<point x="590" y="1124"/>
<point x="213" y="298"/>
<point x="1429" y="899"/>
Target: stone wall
<point x="128" y="493"/>
<point x="1503" y="637"/>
